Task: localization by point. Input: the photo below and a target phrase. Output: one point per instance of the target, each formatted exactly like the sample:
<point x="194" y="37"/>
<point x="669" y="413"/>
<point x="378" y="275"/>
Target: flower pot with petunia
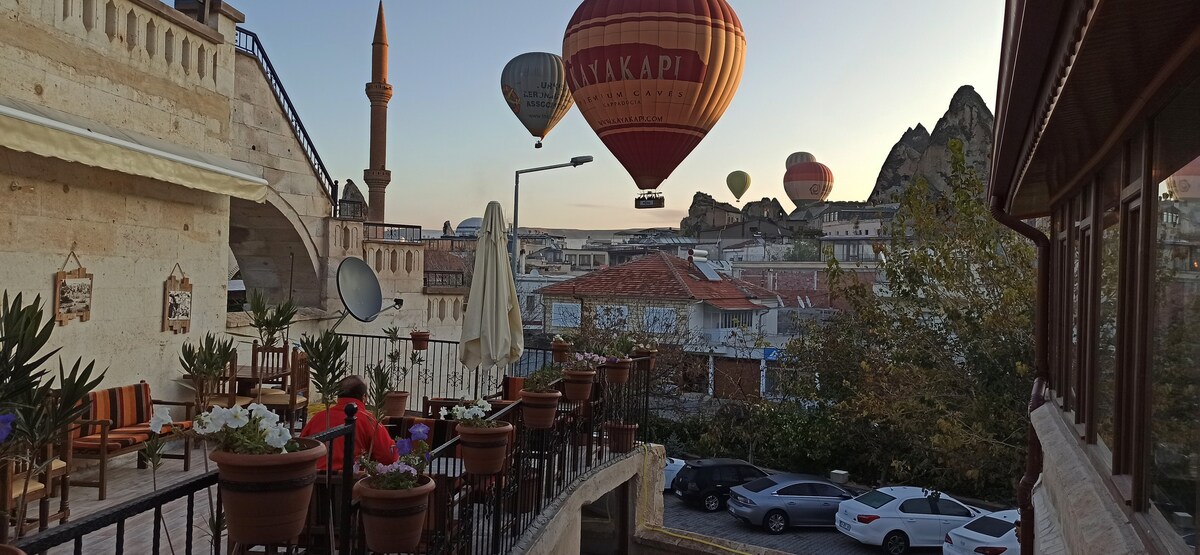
<point x="579" y="375"/>
<point x="561" y="349"/>
<point x="484" y="443"/>
<point x="539" y="397"/>
<point x="393" y="498"/>
<point x="420" y="339"/>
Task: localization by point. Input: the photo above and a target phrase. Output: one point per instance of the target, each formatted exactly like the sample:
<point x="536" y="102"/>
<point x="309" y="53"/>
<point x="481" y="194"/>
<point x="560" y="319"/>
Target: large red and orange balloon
<point x="652" y="77"/>
<point x="807" y="180"/>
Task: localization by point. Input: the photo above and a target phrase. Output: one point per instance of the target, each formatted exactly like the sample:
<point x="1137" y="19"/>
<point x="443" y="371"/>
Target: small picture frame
<point x="177" y="304"/>
<point x="72" y="296"/>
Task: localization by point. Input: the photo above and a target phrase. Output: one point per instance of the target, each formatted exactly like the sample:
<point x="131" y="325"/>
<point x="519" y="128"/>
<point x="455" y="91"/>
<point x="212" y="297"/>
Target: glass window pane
<point x="1109" y="185"/>
<point x="919" y="506"/>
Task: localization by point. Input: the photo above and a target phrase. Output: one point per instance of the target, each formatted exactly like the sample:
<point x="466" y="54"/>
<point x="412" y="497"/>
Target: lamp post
<point x="515" y="240"/>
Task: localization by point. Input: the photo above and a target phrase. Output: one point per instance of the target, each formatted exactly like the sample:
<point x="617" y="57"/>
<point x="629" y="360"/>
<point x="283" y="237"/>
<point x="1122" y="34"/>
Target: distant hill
<point x="919" y="153"/>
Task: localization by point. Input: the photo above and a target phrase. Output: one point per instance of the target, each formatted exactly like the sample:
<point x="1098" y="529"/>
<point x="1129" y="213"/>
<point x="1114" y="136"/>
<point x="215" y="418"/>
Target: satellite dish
<point x="359" y="289"/>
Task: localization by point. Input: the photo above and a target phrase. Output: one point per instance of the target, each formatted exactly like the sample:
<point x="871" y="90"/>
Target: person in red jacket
<point x="368" y="433"/>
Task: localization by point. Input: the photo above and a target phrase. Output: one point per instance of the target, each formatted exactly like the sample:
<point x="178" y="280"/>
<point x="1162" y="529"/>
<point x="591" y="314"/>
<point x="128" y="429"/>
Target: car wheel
<point x="711" y="503"/>
<point x="895" y="543"/>
<point x="775" y="522"/>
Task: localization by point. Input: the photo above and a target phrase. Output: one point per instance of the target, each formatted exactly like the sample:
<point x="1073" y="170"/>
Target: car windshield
<point x="874" y="499"/>
<point x="759" y="484"/>
<point x="989" y="526"/>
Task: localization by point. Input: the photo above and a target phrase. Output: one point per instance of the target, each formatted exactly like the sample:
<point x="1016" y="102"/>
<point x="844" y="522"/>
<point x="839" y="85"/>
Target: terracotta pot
<point x="616" y="370"/>
<point x="266" y="497"/>
<point x="395" y="403"/>
<point x="620" y="436"/>
<point x="484" y="450"/>
<point x="651" y="354"/>
<point x="539" y="407"/>
<point x="578" y="384"/>
<point x="10" y="550"/>
<point x="562" y="351"/>
<point x="530" y="491"/>
<point x="393" y="518"/>
<point x="420" y="340"/>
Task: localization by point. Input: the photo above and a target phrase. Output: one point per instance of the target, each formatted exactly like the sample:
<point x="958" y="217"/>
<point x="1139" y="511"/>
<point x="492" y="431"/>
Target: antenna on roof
<point x="699" y="259"/>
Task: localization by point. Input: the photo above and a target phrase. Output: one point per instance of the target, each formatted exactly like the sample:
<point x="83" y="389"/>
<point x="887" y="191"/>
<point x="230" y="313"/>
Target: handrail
<point x="246" y="41"/>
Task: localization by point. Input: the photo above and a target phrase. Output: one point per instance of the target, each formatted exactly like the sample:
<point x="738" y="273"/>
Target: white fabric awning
<point x="34" y="129"/>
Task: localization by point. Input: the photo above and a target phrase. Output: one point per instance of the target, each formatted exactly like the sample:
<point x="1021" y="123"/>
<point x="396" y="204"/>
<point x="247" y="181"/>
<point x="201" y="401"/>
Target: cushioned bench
<point x="117" y="422"/>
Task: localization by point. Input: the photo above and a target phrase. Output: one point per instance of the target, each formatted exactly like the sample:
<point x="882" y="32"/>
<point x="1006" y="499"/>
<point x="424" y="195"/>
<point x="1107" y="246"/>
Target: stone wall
<point x="129" y="232"/>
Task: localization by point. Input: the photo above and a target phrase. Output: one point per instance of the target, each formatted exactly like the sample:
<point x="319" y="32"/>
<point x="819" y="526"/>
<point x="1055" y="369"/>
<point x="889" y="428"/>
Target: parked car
<point x="901" y="517"/>
<point x="778" y="501"/>
<point x="670" y="470"/>
<point x="991" y="534"/>
<point x="706" y="482"/>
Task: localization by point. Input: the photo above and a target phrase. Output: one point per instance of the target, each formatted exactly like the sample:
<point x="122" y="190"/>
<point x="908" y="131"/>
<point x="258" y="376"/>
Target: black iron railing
<point x="445" y="279"/>
<point x="391" y="232"/>
<point x="247" y="41"/>
<point x="90" y="534"/>
<point x="351" y="210"/>
<point x="436" y="371"/>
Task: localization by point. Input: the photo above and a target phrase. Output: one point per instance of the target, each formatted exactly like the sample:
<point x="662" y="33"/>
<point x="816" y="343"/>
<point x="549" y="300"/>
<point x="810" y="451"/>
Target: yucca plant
<point x="327" y="362"/>
<point x="270" y="321"/>
<point x="207" y="363"/>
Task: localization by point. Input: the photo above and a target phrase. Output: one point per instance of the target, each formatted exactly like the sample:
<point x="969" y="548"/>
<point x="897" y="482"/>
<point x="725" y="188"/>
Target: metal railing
<point x="436" y="371"/>
<point x="76" y="532"/>
<point x="391" y="232"/>
<point x="351" y="210"/>
<point x="246" y="41"/>
<point x="445" y="279"/>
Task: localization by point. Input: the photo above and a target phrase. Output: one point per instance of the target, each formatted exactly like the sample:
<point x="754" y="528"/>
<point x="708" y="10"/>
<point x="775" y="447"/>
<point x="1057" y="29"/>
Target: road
<point x="805" y="541"/>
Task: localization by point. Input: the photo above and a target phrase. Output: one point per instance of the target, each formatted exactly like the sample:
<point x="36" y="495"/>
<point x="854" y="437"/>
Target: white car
<point x="990" y="534"/>
<point x="901" y="517"/>
<point x="670" y="470"/>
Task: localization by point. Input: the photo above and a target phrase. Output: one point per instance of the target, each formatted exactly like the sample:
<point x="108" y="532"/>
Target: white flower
<point x="238" y="417"/>
<point x="486" y="406"/>
<point x="443" y="412"/>
<point x="279" y="436"/>
<point x="266" y="418"/>
<point x="160" y="420"/>
<point x="218" y="417"/>
<point x="203" y="425"/>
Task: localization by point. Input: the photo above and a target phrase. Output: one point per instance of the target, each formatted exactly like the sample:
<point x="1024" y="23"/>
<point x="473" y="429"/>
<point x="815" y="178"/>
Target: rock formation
<point x="921" y="154"/>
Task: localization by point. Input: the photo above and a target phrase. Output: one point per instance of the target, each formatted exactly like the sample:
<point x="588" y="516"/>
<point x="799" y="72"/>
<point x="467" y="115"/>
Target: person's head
<point x="353" y="387"/>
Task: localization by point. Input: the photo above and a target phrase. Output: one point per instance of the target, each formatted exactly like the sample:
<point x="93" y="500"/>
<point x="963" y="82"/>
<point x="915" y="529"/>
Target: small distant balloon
<point x="535" y="87"/>
<point x="738" y="182"/>
<point x="807" y="181"/>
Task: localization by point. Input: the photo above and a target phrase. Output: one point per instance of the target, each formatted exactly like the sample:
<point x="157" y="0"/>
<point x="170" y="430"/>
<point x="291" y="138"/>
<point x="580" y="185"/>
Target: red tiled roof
<point x="662" y="276"/>
<point x="441" y="261"/>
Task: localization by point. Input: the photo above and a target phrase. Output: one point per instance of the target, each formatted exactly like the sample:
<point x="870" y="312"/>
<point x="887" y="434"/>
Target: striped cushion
<point x="125" y="406"/>
<point x="115" y="441"/>
<point x="145" y="428"/>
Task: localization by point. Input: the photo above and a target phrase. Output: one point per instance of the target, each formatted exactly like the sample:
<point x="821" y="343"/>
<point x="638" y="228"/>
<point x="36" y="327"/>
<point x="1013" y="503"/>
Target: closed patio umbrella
<point x="492" y="330"/>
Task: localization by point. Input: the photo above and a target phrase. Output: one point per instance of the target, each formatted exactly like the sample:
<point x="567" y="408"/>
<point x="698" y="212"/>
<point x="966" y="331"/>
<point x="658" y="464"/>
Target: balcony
<point x="391" y="233"/>
<point x="548" y="476"/>
<point x="445" y="283"/>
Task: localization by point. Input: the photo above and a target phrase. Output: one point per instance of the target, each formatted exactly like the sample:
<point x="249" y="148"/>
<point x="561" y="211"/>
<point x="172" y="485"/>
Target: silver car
<point x="778" y="501"/>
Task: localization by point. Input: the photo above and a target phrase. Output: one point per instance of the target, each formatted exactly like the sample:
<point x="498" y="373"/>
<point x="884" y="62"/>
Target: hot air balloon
<point x="807" y="180"/>
<point x="738" y="181"/>
<point x="1185" y="183"/>
<point x="652" y="77"/>
<point x="535" y="87"/>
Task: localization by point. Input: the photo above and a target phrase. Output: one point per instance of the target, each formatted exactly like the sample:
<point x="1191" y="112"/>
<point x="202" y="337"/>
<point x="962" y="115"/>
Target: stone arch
<point x="457" y="309"/>
<point x="345" y="237"/>
<point x="393" y="261"/>
<point x="408" y="261"/>
<point x="379" y="260"/>
<point x="275" y="251"/>
<point x="429" y="309"/>
<point x="441" y="309"/>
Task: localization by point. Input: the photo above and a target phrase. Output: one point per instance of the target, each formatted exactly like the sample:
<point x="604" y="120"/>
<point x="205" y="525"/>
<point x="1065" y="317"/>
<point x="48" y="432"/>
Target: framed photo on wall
<point x="72" y="296"/>
<point x="177" y="304"/>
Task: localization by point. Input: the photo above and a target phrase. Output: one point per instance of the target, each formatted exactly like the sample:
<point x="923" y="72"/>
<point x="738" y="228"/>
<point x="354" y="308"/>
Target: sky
<point x="842" y="80"/>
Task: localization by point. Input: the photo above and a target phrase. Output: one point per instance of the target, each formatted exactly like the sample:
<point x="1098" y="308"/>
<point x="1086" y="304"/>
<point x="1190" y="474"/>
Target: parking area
<point x="816" y="541"/>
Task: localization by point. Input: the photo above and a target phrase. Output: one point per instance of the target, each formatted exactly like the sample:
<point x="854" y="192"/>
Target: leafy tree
<point x="927" y="375"/>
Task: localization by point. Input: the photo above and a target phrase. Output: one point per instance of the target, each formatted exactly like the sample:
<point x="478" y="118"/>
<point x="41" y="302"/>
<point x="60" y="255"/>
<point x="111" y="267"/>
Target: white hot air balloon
<point x="535" y="87"/>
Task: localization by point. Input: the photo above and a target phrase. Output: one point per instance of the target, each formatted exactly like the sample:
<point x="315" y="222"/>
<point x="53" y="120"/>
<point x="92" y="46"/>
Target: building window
<point x="393" y="261"/>
<point x="409" y="261"/>
<point x="660" y="320"/>
<point x="727" y="319"/>
<point x="442" y="309"/>
<point x="1108" y="186"/>
<point x="611" y="317"/>
<point x="565" y="315"/>
<point x="457" y="309"/>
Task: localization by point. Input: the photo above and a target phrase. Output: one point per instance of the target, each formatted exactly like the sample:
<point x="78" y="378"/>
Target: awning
<point x="37" y="130"/>
<point x="735" y="304"/>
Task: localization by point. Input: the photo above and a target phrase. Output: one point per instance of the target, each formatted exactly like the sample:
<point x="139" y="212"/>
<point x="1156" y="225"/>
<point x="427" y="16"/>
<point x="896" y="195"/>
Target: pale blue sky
<point x="842" y="80"/>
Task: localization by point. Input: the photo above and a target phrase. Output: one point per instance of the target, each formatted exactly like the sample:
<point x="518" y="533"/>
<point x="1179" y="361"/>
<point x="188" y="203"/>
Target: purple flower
<point x="419" y="432"/>
<point x="403" y="447"/>
<point x="6" y="425"/>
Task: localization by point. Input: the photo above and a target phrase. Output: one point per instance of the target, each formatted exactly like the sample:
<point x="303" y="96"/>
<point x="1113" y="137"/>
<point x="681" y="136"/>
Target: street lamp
<point x="513" y="241"/>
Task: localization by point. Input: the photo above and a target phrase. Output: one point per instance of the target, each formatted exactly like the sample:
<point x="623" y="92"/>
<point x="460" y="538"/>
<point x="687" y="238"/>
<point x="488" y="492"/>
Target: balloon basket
<point x="649" y="199"/>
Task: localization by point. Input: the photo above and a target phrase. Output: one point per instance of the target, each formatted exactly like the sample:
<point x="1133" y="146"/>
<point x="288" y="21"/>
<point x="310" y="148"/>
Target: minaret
<point x="377" y="176"/>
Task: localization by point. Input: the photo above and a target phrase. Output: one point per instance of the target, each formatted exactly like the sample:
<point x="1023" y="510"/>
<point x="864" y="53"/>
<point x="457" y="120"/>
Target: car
<point x="989" y="534"/>
<point x="670" y="470"/>
<point x="778" y="501"/>
<point x="901" y="517"/>
<point x="706" y="482"/>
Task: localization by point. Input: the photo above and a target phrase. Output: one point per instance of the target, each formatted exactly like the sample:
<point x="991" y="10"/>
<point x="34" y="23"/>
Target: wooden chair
<point x="291" y="403"/>
<point x="224" y="392"/>
<point x="270" y="368"/>
<point x="430" y="407"/>
<point x="51" y="472"/>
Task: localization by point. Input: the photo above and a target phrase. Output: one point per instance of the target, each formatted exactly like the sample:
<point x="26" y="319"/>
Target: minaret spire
<point x="377" y="176"/>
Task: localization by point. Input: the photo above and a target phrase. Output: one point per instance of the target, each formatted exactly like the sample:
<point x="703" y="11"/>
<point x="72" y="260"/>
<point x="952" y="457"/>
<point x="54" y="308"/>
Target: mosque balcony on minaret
<point x="379" y="92"/>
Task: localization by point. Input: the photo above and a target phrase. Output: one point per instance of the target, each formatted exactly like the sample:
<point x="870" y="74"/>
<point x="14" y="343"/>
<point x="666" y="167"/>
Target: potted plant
<point x="616" y="367"/>
<point x="385" y="399"/>
<point x="579" y="375"/>
<point x="263" y="470"/>
<point x="420" y="339"/>
<point x="561" y="349"/>
<point x="36" y="407"/>
<point x="205" y="364"/>
<point x="484" y="442"/>
<point x="271" y="322"/>
<point x="539" y="397"/>
<point x="620" y="435"/>
<point x="646" y="350"/>
<point x="393" y="498"/>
